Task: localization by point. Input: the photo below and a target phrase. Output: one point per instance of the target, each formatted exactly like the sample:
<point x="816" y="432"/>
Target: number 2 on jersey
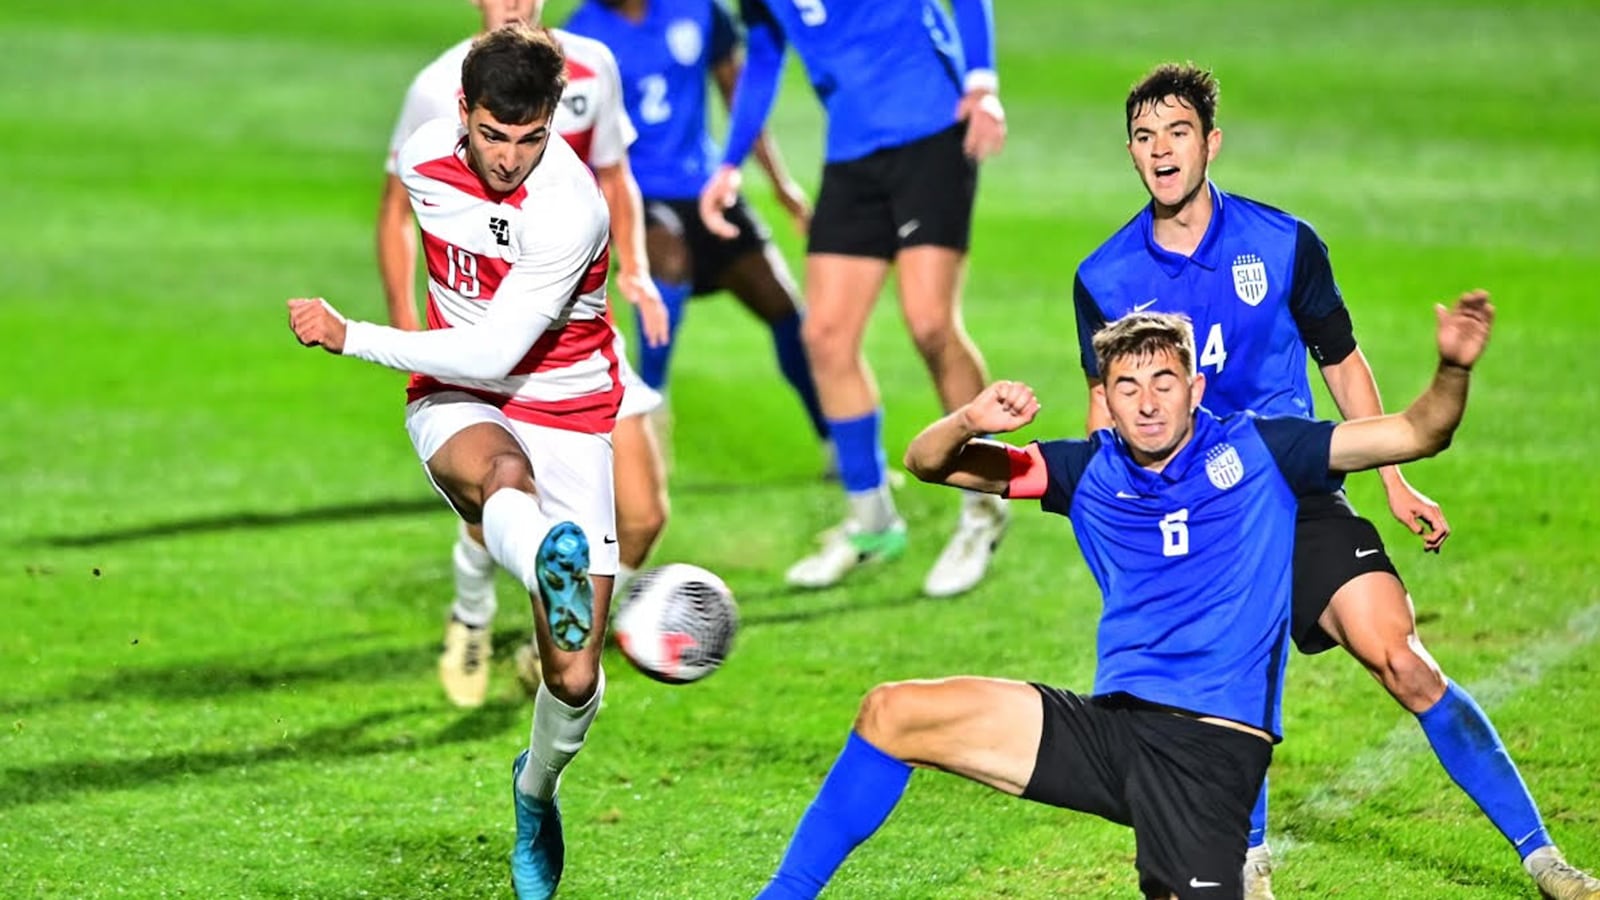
<point x="1213" y="353"/>
<point x="812" y="12"/>
<point x="653" y="105"/>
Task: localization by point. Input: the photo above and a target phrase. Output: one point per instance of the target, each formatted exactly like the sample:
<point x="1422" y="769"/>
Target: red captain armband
<point x="1029" y="477"/>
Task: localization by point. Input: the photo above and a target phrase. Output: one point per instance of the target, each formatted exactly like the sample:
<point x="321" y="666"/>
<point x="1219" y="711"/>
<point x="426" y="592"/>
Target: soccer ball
<point x="676" y="623"/>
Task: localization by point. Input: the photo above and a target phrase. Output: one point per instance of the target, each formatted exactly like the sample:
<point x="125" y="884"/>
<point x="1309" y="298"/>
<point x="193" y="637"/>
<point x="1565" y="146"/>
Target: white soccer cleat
<point x="1559" y="880"/>
<point x="844" y="548"/>
<point x="965" y="559"/>
<point x="1258" y="873"/>
<point x="464" y="664"/>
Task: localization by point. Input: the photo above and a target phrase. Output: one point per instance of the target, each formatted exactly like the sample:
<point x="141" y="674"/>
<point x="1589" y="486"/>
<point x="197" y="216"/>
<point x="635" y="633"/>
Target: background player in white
<point x="515" y="383"/>
<point x="593" y="120"/>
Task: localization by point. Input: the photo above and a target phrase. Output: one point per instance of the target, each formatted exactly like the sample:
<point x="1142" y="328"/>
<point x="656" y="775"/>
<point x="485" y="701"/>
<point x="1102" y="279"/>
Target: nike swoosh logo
<point x="905" y="230"/>
<point x="1124" y="495"/>
<point x="1197" y="883"/>
<point x="1141" y="307"/>
<point x="429" y="203"/>
<point x="609" y="539"/>
<point x="1363" y="554"/>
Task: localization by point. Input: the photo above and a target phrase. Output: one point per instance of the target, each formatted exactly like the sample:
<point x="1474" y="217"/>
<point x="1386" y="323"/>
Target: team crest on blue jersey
<point x="1223" y="466"/>
<point x="1250" y="278"/>
<point x="685" y="41"/>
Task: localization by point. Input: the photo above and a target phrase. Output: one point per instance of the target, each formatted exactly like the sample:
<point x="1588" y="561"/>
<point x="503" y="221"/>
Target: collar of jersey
<point x="1206" y="255"/>
<point x="1145" y="481"/>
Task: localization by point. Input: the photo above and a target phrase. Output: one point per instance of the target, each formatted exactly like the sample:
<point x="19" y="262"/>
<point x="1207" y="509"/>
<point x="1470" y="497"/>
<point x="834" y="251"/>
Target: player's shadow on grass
<point x="25" y="785"/>
<point x="246" y="520"/>
<point x="209" y="679"/>
<point x="813" y="604"/>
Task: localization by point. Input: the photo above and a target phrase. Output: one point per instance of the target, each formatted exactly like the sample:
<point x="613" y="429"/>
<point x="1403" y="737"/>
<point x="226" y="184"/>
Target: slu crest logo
<point x="1250" y="278"/>
<point x="1223" y="466"/>
<point x="685" y="41"/>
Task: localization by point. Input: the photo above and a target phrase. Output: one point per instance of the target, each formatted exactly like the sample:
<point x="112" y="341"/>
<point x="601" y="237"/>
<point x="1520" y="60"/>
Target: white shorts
<point x="638" y="398"/>
<point x="571" y="469"/>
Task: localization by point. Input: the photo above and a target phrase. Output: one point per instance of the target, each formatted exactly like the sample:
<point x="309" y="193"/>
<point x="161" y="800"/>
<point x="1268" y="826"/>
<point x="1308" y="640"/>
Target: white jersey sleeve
<point x="434" y="94"/>
<point x="613" y="131"/>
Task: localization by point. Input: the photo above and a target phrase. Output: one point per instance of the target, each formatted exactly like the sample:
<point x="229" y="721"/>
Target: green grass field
<point x="223" y="576"/>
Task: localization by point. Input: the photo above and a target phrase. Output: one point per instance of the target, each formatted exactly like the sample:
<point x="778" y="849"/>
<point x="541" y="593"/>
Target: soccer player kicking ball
<point x="515" y="385"/>
<point x="1259" y="288"/>
<point x="1179" y="516"/>
<point x="591" y="120"/>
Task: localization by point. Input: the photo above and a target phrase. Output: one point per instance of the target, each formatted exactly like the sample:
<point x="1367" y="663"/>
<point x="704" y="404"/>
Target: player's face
<point x="1169" y="152"/>
<point x="1152" y="401"/>
<point x="505" y="12"/>
<point x="503" y="155"/>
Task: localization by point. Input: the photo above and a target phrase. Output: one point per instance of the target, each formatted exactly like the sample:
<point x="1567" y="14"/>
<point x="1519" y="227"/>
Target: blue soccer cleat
<point x="562" y="568"/>
<point x="540" y="853"/>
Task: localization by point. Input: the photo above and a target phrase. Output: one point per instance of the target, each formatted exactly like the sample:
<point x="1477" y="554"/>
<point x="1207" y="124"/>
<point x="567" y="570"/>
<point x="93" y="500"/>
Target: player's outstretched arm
<point x="951" y="451"/>
<point x="752" y="102"/>
<point x="1427" y="425"/>
<point x="788" y="191"/>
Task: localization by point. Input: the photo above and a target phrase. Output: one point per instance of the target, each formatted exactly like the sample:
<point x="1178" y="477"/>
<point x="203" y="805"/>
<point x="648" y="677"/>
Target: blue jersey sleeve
<point x="724" y="34"/>
<point x="975" y="24"/>
<point x="1315" y="302"/>
<point x="758" y="83"/>
<point x="1300" y="448"/>
<point x="1064" y="462"/>
<point x="1090" y="320"/>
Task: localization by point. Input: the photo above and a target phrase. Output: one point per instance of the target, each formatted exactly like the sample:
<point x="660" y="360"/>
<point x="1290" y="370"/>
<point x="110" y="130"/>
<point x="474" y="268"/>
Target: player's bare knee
<point x="507" y="470"/>
<point x="933" y="335"/>
<point x="572" y="681"/>
<point x="829" y="345"/>
<point x="1412" y="677"/>
<point x="879" y="719"/>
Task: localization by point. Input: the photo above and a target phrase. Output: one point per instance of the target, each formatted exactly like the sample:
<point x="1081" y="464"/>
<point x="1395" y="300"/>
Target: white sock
<point x="558" y="734"/>
<point x="979" y="505"/>
<point x="475" y="603"/>
<point x="513" y="528"/>
<point x="873" y="510"/>
<point x="620" y="586"/>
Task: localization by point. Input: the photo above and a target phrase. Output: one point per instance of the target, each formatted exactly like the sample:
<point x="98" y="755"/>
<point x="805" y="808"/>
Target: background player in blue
<point x="667" y="51"/>
<point x="911" y="110"/>
<point x="1259" y="287"/>
<point x="1181" y="518"/>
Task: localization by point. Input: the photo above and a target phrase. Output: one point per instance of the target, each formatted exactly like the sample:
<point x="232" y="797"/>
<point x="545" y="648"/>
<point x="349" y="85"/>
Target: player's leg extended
<point x="575" y="471"/>
<point x="1372" y="617"/>
<point x="672" y="270"/>
<point x="979" y="728"/>
<point x="930" y="299"/>
<point x="760" y="279"/>
<point x="840" y="293"/>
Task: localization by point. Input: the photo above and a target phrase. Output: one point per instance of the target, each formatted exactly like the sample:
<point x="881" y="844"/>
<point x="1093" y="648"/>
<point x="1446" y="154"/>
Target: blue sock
<point x="859" y="443"/>
<point x="653" y="360"/>
<point x="1258" y="818"/>
<point x="860" y="791"/>
<point x="796" y="368"/>
<point x="1471" y="752"/>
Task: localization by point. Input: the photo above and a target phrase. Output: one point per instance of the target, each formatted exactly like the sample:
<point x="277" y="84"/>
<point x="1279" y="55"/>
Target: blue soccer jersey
<point x="888" y="72"/>
<point x="1194" y="561"/>
<point x="665" y="60"/>
<point x="1259" y="290"/>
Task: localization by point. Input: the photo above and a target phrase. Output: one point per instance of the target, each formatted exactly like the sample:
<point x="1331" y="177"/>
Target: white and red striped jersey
<point x="591" y="117"/>
<point x="499" y="267"/>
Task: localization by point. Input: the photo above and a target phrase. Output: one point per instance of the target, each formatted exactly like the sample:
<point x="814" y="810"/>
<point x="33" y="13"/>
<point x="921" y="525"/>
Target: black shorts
<point x="1186" y="786"/>
<point x="1332" y="545"/>
<point x="709" y="255"/>
<point x="906" y="196"/>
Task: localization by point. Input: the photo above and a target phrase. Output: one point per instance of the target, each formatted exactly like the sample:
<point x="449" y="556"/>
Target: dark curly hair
<point x="1193" y="86"/>
<point x="517" y="72"/>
